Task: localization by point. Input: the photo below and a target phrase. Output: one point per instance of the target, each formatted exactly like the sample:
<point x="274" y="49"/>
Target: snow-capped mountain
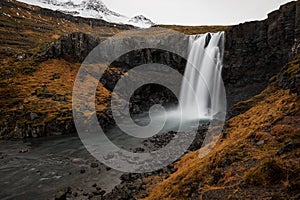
<point x="91" y="9"/>
<point x="140" y="21"/>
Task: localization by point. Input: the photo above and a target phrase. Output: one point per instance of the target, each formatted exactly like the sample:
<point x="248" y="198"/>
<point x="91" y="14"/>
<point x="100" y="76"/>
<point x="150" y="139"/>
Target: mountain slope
<point x="91" y="9"/>
<point x="29" y="29"/>
<point x="257" y="155"/>
<point x="26" y="31"/>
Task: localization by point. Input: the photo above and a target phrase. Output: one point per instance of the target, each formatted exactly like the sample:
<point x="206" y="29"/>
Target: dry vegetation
<point x="257" y="155"/>
<point x="23" y="30"/>
<point x="191" y="30"/>
<point x="44" y="88"/>
<point x="29" y="84"/>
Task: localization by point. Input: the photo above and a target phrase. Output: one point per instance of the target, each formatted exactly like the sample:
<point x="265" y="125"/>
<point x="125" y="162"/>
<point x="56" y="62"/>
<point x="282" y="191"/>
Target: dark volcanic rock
<point x="52" y="128"/>
<point x="289" y="76"/>
<point x="74" y="45"/>
<point x="62" y="195"/>
<point x="255" y="51"/>
<point x="132" y="185"/>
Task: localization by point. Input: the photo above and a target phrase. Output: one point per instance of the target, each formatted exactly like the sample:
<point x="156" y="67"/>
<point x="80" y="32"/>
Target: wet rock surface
<point x="160" y="140"/>
<point x="133" y="185"/>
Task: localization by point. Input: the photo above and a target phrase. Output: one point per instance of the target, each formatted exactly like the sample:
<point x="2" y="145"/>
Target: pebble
<point x="75" y="194"/>
<point x="57" y="177"/>
<point x="84" y="193"/>
<point x="94" y="165"/>
<point x="23" y="150"/>
<point x="98" y="188"/>
<point x="260" y="143"/>
<point x="60" y="195"/>
<point x="96" y="193"/>
<point x="76" y="160"/>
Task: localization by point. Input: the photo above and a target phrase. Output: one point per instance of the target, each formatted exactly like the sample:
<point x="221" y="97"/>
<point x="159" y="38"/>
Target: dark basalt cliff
<point x="255" y="51"/>
<point x="72" y="46"/>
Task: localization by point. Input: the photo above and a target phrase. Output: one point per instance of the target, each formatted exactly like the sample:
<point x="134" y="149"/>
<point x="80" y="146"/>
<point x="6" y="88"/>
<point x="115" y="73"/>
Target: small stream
<point x="48" y="164"/>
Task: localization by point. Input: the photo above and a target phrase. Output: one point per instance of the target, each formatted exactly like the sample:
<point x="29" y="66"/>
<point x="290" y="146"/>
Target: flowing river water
<point x="46" y="165"/>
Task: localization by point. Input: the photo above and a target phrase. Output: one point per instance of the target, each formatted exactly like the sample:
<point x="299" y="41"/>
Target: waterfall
<point x="202" y="95"/>
<point x="201" y="87"/>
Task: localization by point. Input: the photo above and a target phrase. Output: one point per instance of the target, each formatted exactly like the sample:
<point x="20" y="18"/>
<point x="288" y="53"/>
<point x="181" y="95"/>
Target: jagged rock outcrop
<point x="255" y="51"/>
<point x="75" y="45"/>
<point x="289" y="76"/>
<point x="52" y="128"/>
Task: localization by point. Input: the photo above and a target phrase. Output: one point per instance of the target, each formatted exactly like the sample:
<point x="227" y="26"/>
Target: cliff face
<point x="74" y="45"/>
<point x="255" y="51"/>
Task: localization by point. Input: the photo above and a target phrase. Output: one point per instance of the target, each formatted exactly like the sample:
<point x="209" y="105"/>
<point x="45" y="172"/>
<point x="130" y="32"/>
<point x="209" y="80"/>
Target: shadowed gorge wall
<point x="255" y="51"/>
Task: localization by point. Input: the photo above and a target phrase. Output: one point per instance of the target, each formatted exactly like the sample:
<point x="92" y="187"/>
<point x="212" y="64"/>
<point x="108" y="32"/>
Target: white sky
<point x="196" y="12"/>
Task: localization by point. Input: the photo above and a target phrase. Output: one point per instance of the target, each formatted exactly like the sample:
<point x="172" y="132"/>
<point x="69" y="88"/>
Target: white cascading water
<point x="201" y="87"/>
<point x="201" y="94"/>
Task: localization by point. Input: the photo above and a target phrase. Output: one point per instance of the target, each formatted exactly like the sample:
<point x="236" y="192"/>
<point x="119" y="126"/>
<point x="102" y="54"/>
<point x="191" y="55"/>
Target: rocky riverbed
<point x="61" y="168"/>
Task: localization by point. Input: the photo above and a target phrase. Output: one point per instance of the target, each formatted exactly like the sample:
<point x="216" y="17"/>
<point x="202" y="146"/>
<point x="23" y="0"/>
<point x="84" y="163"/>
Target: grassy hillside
<point x="24" y="30"/>
<point x="257" y="156"/>
<point x="34" y="92"/>
<point x="191" y="30"/>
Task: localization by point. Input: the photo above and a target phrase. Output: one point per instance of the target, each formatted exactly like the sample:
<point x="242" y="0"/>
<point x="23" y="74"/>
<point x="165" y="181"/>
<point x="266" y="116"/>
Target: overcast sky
<point x="196" y="12"/>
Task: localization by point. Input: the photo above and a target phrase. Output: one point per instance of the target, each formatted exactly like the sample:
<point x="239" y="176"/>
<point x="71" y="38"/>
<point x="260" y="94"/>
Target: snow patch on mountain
<point x="91" y="9"/>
